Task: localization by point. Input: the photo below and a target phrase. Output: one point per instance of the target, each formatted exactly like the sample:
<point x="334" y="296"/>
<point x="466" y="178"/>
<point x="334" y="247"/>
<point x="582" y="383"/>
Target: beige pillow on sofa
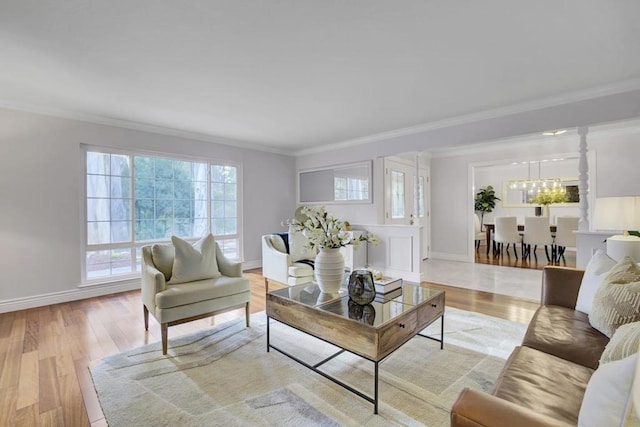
<point x="162" y="257"/>
<point x="195" y="262"/>
<point x="617" y="300"/>
<point x="624" y="343"/>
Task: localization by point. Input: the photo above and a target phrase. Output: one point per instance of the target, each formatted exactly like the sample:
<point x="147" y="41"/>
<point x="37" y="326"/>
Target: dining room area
<point x="526" y="212"/>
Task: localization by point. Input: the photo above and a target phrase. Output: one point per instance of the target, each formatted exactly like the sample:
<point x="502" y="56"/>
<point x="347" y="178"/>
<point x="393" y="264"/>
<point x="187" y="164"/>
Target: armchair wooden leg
<point x="266" y="285"/>
<point x="164" y="328"/>
<point x="247" y="314"/>
<point x="146" y="317"/>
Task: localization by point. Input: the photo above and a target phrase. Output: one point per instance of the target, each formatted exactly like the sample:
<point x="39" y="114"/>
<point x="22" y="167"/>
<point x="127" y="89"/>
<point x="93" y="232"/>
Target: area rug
<point x="224" y="376"/>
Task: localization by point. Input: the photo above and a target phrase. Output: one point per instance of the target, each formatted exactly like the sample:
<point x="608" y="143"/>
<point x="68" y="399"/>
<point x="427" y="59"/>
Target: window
<point x="348" y="188"/>
<point x="133" y="200"/>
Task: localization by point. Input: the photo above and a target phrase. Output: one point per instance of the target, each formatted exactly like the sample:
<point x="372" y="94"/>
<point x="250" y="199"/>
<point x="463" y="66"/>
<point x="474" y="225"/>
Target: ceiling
<point x="290" y="75"/>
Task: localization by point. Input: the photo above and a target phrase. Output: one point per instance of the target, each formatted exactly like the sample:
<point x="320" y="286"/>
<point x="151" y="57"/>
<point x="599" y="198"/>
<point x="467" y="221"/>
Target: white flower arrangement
<point x="325" y="231"/>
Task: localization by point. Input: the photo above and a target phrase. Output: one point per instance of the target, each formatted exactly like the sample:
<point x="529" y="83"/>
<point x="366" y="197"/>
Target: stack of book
<point x="387" y="284"/>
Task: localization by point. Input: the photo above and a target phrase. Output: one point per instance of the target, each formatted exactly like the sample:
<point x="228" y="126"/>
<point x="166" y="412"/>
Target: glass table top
<point x="383" y="309"/>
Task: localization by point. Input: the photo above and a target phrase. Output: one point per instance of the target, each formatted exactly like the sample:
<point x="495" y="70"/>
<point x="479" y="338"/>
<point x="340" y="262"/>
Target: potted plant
<point x="327" y="234"/>
<point x="485" y="201"/>
<point x="546" y="198"/>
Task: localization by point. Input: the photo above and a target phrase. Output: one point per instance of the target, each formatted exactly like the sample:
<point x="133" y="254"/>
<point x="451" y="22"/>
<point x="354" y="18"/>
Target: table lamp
<point x="619" y="214"/>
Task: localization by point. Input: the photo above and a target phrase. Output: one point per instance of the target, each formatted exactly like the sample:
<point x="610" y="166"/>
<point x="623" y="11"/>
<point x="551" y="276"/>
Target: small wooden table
<point x="489" y="227"/>
<point x="373" y="331"/>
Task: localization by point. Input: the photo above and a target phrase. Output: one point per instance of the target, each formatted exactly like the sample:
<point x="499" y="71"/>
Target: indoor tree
<point x="485" y="201"/>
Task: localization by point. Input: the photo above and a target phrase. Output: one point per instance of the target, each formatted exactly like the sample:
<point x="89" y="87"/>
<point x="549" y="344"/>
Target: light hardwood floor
<point x="45" y="352"/>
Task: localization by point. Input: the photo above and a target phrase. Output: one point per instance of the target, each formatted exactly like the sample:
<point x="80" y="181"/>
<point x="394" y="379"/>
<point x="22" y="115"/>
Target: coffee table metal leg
<point x="267" y="334"/>
<point x="375" y="389"/>
<point x="442" y="332"/>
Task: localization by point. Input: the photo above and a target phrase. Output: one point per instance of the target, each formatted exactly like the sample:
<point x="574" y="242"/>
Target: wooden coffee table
<point x="372" y="332"/>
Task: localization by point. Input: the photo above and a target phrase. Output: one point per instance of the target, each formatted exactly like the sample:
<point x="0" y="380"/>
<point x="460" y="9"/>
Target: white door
<point x="403" y="206"/>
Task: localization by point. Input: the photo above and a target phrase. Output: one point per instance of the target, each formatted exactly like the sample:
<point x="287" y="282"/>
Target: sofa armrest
<point x="560" y="286"/>
<point x="475" y="408"/>
<point x="275" y="264"/>
<point x="226" y="266"/>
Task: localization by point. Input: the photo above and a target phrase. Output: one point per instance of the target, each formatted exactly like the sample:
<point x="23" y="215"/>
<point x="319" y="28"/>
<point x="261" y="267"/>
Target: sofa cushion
<point x="624" y="343"/>
<point x="565" y="333"/>
<point x="299" y="269"/>
<point x="195" y="262"/>
<point x="544" y="383"/>
<point x="608" y="392"/>
<point x="278" y="243"/>
<point x="617" y="300"/>
<point x="201" y="290"/>
<point x="162" y="257"/>
<point x="599" y="266"/>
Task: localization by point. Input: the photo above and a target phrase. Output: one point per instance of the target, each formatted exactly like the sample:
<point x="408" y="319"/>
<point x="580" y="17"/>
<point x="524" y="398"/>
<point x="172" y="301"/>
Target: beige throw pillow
<point x="617" y="300"/>
<point x="162" y="257"/>
<point x="624" y="343"/>
<point x="195" y="262"/>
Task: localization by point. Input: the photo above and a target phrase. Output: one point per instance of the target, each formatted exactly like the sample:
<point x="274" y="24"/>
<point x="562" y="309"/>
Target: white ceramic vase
<point x="329" y="270"/>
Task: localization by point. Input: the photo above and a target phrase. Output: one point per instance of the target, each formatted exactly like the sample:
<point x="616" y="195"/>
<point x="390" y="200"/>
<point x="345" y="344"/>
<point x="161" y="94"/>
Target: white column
<point x="583" y="184"/>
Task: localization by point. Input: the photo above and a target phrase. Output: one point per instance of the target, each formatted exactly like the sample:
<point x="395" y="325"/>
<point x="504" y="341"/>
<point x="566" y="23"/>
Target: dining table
<point x="489" y="227"/>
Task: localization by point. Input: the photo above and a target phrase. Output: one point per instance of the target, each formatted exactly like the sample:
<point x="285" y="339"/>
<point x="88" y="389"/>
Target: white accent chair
<point x="172" y="304"/>
<point x="280" y="266"/>
<point x="536" y="232"/>
<point x="506" y="231"/>
<point x="565" y="236"/>
<point x="479" y="235"/>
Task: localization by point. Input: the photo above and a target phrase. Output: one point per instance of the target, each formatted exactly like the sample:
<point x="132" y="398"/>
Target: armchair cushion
<point x="195" y="262"/>
<point x="162" y="257"/>
<point x="201" y="290"/>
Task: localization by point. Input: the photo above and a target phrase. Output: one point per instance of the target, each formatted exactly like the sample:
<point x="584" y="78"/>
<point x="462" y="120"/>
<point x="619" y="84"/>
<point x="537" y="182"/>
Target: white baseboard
<point x="83" y="292"/>
<point x="66" y="296"/>
<point x="249" y="265"/>
<point x="449" y="257"/>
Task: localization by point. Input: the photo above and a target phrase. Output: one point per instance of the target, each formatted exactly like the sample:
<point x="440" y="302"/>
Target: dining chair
<point x="565" y="236"/>
<point x="506" y="231"/>
<point x="479" y="234"/>
<point x="536" y="232"/>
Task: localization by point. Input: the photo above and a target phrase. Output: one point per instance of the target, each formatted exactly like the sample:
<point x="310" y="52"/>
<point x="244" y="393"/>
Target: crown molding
<point x="144" y="127"/>
<point x="611" y="89"/>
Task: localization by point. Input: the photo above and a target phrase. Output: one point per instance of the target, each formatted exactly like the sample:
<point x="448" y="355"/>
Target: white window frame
<point x="136" y="245"/>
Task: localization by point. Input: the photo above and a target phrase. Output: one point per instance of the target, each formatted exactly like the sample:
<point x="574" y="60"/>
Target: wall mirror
<point x="518" y="197"/>
<point x="350" y="183"/>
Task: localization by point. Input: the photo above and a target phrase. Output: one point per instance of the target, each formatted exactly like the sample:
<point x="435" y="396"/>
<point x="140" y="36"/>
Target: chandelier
<point x="539" y="185"/>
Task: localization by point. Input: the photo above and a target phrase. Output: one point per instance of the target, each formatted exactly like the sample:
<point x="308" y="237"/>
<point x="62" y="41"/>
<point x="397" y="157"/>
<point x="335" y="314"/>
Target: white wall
<point x="40" y="192"/>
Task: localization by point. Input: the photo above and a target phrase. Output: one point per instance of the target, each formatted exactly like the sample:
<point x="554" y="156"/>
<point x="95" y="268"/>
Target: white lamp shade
<point x="617" y="213"/>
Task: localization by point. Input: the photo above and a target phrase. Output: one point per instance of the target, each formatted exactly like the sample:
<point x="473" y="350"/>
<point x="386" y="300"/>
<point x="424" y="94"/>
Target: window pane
<point x="120" y="165"/>
<point x="98" y="233"/>
<point x="98" y="210"/>
<point x="145" y="209"/>
<point x="217" y="226"/>
<point x="163" y="168"/>
<point x="163" y="228"/>
<point x="217" y="209"/>
<point x="145" y="188"/>
<point x="182" y="209"/>
<point x="98" y="163"/>
<point x="144" y="168"/>
<point x="97" y="186"/>
<point x="182" y="190"/>
<point x="145" y="230"/>
<point x="182" y="170"/>
<point x="230" y="191"/>
<point x="397" y="194"/>
<point x="109" y="262"/>
<point x="200" y="190"/>
<point x="230" y="209"/>
<point x="120" y="187"/>
<point x="229" y="248"/>
<point x="120" y="231"/>
<point x="164" y="209"/>
<point x="164" y="189"/>
<point x="120" y="209"/>
<point x="230" y="226"/>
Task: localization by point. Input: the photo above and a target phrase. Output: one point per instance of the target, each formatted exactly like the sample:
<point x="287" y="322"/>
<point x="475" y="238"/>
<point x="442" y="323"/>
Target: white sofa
<point x="279" y="265"/>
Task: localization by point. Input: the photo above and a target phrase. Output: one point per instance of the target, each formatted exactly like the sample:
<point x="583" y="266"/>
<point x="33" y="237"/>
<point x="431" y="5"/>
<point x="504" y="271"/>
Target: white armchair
<point x="172" y="301"/>
<point x="282" y="266"/>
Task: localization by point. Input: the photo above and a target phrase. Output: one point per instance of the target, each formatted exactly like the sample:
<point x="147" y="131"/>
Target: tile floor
<point x="512" y="281"/>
